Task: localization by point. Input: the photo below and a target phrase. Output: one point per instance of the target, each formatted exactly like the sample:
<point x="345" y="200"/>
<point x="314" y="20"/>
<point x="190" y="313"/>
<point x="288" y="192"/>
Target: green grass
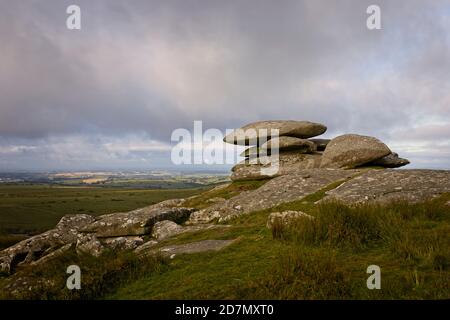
<point x="231" y="190"/>
<point x="26" y="209"/>
<point x="99" y="276"/>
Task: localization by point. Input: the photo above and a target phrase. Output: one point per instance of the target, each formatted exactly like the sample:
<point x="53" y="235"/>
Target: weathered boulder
<point x="285" y="217"/>
<point x="262" y="130"/>
<point x="290" y="143"/>
<point x="321" y="144"/>
<point x="37" y="247"/>
<point x="136" y="222"/>
<point x="288" y="162"/>
<point x="89" y="244"/>
<point x="389" y="184"/>
<point x="352" y="150"/>
<point x="390" y="161"/>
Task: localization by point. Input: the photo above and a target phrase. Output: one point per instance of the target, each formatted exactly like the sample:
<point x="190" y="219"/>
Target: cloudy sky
<point x="110" y="95"/>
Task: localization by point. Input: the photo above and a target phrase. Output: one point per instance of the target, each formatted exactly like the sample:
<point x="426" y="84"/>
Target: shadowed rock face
<point x="353" y="150"/>
<point x="290" y="143"/>
<point x="251" y="132"/>
<point x="321" y="144"/>
<point x="390" y="161"/>
<point x="387" y="185"/>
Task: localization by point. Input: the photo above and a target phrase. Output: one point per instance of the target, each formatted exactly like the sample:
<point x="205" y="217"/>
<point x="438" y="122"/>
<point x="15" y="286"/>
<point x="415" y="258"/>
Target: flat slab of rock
<point x="136" y="222"/>
<point x="387" y="185"/>
<point x="284" y="143"/>
<point x="167" y="229"/>
<point x="289" y="162"/>
<point x="279" y="190"/>
<point x="353" y="150"/>
<point x="249" y="133"/>
<point x="195" y="247"/>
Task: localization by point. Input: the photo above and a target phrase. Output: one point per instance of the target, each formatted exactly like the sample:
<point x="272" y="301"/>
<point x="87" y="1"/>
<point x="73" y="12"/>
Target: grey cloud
<point x="153" y="66"/>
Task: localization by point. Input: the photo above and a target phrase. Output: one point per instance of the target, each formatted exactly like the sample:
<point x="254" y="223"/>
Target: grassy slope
<point x="36" y="208"/>
<point x="410" y="244"/>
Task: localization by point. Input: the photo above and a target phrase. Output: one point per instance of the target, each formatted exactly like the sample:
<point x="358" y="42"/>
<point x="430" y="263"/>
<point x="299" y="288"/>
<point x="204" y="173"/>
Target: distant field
<point x="26" y="209"/>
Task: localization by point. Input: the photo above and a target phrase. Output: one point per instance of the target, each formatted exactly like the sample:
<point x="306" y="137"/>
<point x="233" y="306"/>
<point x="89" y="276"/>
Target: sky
<point x="110" y="95"/>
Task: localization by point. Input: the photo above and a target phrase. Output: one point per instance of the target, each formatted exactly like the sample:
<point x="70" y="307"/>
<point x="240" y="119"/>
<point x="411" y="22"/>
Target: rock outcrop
<point x="92" y="235"/>
<point x="37" y="247"/>
<point x="294" y="152"/>
<point x="278" y="190"/>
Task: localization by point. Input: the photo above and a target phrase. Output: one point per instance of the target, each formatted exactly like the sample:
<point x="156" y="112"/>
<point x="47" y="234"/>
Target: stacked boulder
<point x="296" y="150"/>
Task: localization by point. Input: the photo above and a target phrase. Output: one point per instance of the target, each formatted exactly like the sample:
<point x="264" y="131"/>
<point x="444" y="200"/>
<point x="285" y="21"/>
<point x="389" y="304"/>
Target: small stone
<point x="286" y="217"/>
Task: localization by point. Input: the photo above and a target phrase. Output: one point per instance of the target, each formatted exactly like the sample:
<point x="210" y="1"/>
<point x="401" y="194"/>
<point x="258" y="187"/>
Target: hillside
<point x="322" y="258"/>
